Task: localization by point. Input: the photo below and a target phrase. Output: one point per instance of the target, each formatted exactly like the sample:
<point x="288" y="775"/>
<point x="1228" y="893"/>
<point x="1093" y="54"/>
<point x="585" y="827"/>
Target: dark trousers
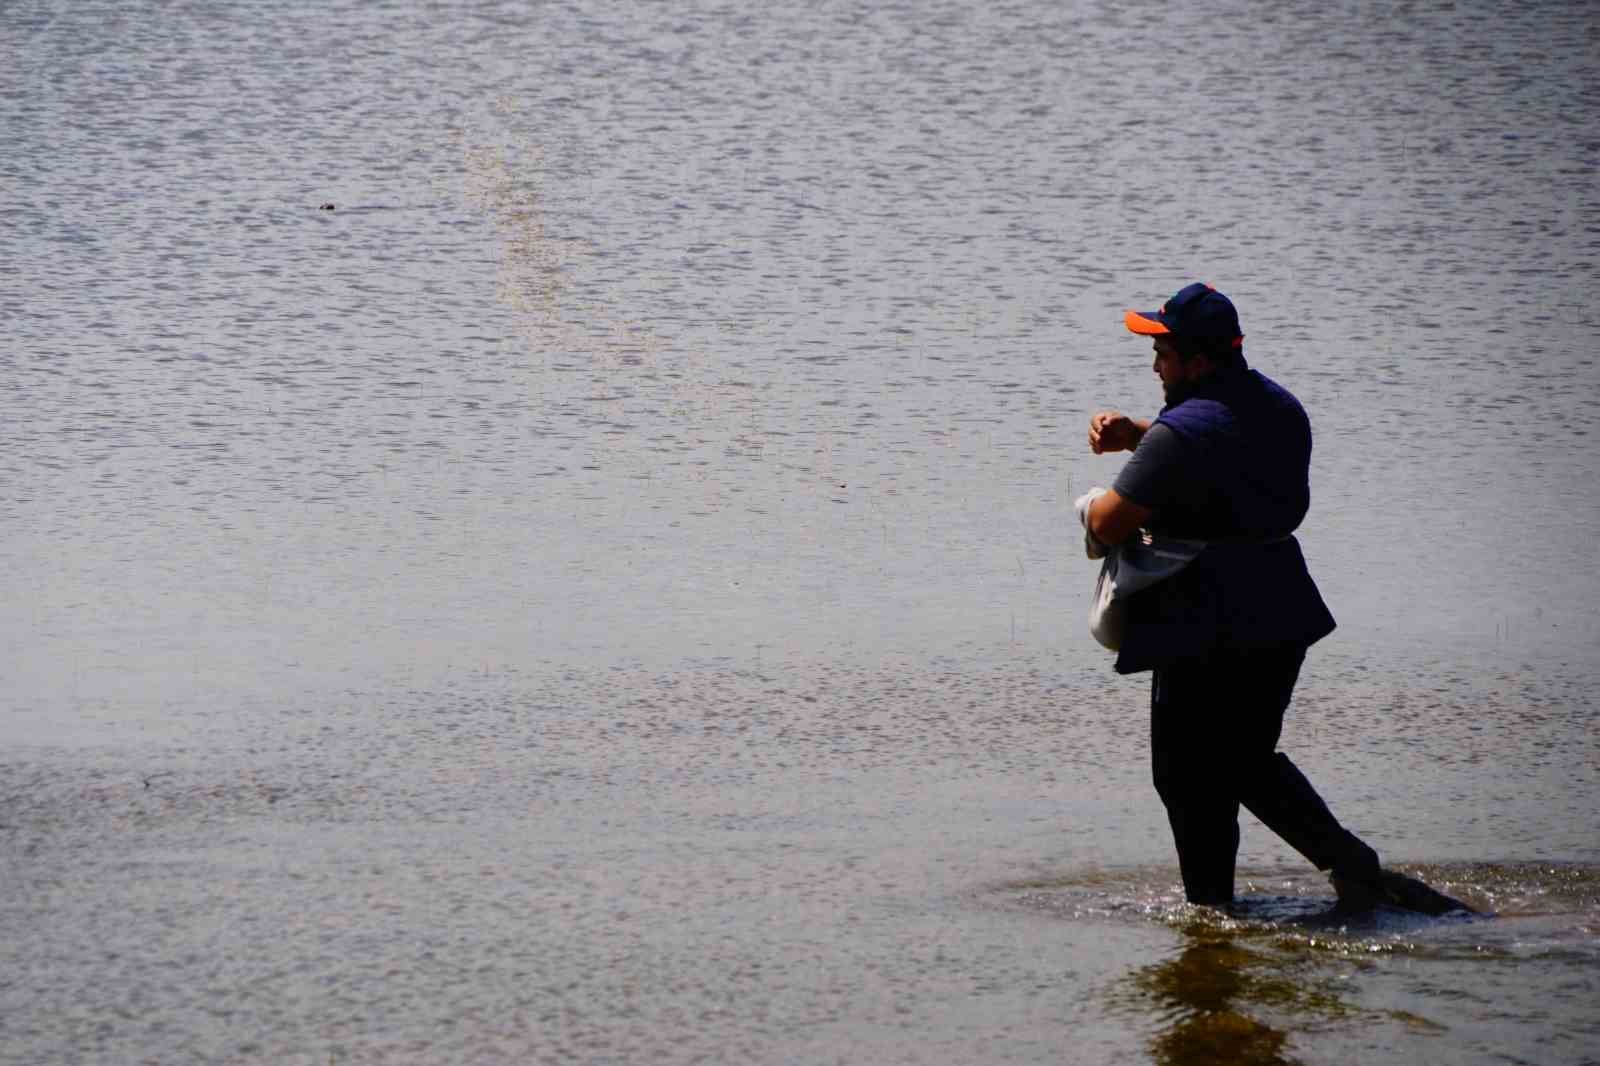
<point x="1214" y="728"/>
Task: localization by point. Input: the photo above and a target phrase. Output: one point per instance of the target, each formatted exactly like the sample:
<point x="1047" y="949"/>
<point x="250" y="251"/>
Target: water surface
<point x="608" y="588"/>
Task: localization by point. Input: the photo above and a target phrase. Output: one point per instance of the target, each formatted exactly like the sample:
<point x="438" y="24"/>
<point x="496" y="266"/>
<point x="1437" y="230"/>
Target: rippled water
<point x="606" y="590"/>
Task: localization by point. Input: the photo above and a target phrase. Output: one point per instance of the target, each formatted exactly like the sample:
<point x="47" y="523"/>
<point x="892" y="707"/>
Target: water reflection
<point x="1230" y="996"/>
<point x="1207" y="995"/>
<point x="1279" y="969"/>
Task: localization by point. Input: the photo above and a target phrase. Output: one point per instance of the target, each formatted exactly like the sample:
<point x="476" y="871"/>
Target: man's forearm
<point x="1112" y="518"/>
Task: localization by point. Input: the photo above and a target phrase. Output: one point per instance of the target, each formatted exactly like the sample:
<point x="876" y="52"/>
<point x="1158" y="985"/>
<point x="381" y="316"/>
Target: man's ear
<point x="1198" y="364"/>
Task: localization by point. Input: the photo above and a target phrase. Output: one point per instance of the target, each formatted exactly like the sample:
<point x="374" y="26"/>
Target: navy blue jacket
<point x="1249" y="590"/>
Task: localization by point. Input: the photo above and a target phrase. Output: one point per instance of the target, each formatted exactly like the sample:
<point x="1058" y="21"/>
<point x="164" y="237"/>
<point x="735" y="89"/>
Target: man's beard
<point x="1177" y="392"/>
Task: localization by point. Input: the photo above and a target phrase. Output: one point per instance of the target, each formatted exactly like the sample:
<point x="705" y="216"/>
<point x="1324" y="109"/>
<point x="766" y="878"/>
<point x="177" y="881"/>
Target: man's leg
<point x="1214" y="730"/>
<point x="1187" y="743"/>
<point x="1276" y="792"/>
<point x="1271" y="786"/>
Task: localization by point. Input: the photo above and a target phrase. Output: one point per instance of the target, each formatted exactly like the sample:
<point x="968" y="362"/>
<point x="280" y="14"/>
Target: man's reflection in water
<point x="1203" y="990"/>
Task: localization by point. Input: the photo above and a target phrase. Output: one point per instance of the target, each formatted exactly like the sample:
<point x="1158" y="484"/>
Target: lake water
<point x="607" y="591"/>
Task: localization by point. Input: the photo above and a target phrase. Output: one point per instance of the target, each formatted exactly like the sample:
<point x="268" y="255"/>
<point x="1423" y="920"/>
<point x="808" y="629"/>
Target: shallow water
<point x="1281" y="976"/>
<point x="607" y="589"/>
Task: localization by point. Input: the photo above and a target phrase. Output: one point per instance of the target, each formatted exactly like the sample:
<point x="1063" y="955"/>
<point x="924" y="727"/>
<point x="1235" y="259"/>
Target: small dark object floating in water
<point x="325" y="207"/>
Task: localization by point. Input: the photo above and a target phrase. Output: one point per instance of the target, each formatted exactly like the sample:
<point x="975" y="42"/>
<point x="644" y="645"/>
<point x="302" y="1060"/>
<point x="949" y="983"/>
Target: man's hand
<point x="1113" y="431"/>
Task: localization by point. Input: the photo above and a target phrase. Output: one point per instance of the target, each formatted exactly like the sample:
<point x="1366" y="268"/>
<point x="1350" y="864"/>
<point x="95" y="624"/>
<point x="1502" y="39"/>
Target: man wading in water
<point x="1227" y="462"/>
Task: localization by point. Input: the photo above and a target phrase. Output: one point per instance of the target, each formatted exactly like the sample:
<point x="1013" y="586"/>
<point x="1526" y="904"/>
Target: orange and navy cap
<point x="1196" y="312"/>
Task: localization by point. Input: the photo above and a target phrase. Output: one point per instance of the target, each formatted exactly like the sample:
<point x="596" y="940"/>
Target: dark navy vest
<point x="1249" y="590"/>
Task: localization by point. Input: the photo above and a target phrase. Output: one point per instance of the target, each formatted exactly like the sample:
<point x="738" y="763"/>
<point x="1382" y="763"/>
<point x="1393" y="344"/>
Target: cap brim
<point x="1146" y="322"/>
